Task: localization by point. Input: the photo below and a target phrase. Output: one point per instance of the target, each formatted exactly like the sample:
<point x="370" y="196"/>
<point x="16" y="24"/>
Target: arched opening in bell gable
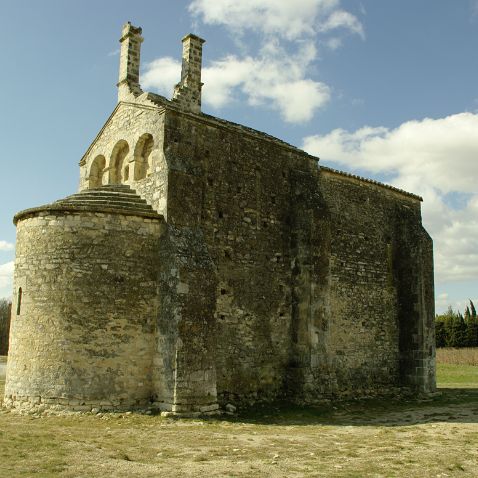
<point x="118" y="162"/>
<point x="142" y="156"/>
<point x="95" y="178"/>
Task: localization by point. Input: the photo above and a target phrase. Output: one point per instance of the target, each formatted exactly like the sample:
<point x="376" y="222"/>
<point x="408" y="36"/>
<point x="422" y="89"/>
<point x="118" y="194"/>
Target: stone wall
<point x="84" y="333"/>
<point x="376" y="279"/>
<point x="310" y="303"/>
<point x="236" y="187"/>
<point x="130" y="124"/>
<point x="279" y="279"/>
<point x="184" y="364"/>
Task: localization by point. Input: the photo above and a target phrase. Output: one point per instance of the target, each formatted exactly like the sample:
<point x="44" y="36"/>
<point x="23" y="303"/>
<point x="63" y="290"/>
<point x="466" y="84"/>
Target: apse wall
<point x="82" y="333"/>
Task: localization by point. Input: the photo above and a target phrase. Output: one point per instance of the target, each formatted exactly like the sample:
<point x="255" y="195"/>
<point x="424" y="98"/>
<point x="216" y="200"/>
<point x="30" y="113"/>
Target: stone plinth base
<point x="26" y="404"/>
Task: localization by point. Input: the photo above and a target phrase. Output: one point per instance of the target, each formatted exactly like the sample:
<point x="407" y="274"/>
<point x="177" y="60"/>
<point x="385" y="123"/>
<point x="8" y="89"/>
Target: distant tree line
<point x="453" y="329"/>
<point x="5" y="312"/>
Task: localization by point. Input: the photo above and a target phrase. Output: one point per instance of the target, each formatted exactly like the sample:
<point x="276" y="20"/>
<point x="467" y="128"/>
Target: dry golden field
<point x="464" y="356"/>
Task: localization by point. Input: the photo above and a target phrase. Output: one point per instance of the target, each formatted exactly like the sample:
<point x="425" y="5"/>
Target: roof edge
<point x="370" y="181"/>
<point x="110" y="117"/>
<point x="26" y="213"/>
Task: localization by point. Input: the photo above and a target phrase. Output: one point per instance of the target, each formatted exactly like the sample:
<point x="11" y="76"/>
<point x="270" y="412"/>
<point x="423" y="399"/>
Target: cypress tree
<point x="452" y="329"/>
<point x="472" y="327"/>
<point x="473" y="310"/>
<point x="440" y="333"/>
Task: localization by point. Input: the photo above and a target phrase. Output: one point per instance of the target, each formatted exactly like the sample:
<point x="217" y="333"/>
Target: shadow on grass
<point x="452" y="405"/>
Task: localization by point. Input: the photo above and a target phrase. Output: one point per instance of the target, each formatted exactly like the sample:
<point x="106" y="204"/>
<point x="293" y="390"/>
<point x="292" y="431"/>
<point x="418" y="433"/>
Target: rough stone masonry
<point x="204" y="263"/>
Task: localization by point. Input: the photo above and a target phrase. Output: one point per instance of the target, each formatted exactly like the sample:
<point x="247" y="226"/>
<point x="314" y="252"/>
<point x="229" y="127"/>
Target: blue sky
<point x="385" y="89"/>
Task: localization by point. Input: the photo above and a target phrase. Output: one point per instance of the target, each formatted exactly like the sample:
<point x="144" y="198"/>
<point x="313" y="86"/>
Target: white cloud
<point x="273" y="79"/>
<point x="288" y="19"/>
<point x="343" y="19"/>
<point x="6" y="276"/>
<point x="272" y="75"/>
<point x="442" y="150"/>
<point x="435" y="158"/>
<point x="223" y="76"/>
<point x="162" y="74"/>
<point x="6" y="246"/>
<point x="456" y="240"/>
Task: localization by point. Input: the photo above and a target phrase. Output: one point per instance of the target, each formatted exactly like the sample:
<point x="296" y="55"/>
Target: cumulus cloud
<point x="435" y="158"/>
<point x="456" y="240"/>
<point x="162" y="74"/>
<point x="290" y="20"/>
<point x="6" y="246"/>
<point x="272" y="75"/>
<point x="273" y="79"/>
<point x="443" y="149"/>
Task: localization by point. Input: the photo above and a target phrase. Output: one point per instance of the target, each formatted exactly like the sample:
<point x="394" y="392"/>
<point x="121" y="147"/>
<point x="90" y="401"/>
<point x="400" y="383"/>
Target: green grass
<point x="456" y="376"/>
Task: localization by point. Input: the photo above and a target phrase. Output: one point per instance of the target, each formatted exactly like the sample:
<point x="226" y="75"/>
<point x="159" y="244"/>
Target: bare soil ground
<point x="416" y="438"/>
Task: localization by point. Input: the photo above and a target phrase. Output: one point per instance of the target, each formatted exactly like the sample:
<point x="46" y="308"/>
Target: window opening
<point x="19" y="300"/>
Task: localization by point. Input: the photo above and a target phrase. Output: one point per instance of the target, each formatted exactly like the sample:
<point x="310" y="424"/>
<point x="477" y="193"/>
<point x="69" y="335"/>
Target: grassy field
<point x="456" y="376"/>
<point x="417" y="438"/>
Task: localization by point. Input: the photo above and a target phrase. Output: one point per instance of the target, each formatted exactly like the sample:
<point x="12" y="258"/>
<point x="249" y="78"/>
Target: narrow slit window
<point x="19" y="300"/>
